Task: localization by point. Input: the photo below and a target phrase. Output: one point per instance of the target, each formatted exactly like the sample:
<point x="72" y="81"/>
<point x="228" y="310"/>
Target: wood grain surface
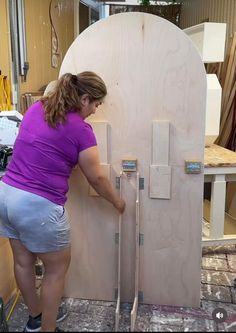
<point x="217" y="156"/>
<point x="152" y="72"/>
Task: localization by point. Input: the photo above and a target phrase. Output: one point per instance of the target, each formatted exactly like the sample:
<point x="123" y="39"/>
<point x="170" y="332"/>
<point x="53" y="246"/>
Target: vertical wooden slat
<point x="100" y="129"/>
<point x="136" y="284"/>
<point x="117" y="313"/>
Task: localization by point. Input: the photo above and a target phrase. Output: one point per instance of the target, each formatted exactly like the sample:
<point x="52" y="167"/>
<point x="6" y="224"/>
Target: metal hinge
<point x="141" y="183"/>
<point x="141" y="239"/>
<point x="117" y="183"/>
<point x="117" y="236"/>
<point x="140" y="296"/>
<point x="116" y="293"/>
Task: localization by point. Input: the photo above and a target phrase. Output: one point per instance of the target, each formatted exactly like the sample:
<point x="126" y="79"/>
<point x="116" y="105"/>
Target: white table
<point x="219" y="168"/>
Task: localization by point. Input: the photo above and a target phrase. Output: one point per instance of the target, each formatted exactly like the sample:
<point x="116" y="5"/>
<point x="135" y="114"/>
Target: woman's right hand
<point x="120" y="206"/>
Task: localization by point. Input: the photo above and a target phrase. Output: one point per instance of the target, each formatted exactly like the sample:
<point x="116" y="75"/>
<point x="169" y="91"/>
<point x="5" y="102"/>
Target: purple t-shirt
<point x="43" y="157"/>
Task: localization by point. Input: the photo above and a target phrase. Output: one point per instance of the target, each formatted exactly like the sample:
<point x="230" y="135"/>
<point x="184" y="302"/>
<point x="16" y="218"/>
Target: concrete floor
<point x="218" y="290"/>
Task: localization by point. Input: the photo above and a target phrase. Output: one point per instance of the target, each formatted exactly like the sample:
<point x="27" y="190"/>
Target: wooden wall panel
<point x="7" y="280"/>
<point x="4" y="40"/>
<point x="38" y="39"/>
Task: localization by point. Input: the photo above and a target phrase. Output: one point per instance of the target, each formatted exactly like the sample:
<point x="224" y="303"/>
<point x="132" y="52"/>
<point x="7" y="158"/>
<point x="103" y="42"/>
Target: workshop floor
<point x="218" y="290"/>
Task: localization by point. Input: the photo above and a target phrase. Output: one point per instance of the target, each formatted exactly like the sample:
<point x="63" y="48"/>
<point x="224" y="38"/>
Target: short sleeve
<point x="86" y="138"/>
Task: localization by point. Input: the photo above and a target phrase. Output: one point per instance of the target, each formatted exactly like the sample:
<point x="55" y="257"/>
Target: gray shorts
<point x="41" y="225"/>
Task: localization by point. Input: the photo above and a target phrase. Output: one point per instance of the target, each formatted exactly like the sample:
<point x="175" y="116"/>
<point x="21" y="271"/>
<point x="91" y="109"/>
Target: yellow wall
<point x="4" y="40"/>
<point x="38" y="39"/>
<point x="7" y="280"/>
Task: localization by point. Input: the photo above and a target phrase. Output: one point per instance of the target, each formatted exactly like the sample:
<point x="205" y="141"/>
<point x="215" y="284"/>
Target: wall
<point x="4" y="39"/>
<point x="223" y="11"/>
<point x="38" y="39"/>
<point x="7" y="280"/>
<point x="83" y="17"/>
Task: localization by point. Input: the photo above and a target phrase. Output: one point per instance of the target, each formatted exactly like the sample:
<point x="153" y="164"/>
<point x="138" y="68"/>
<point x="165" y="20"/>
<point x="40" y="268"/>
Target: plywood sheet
<point x="100" y="129"/>
<point x="159" y="76"/>
<point x="160" y="143"/>
<point x="160" y="181"/>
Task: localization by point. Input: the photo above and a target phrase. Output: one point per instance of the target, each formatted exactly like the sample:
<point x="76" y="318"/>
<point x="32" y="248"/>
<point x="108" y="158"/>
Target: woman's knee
<point x="56" y="263"/>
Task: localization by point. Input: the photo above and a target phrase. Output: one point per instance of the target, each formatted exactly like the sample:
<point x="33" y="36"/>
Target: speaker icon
<point x="219" y="315"/>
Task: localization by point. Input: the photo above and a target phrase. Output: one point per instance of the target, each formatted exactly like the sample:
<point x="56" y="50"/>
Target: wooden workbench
<point x="216" y="156"/>
<point x="219" y="168"/>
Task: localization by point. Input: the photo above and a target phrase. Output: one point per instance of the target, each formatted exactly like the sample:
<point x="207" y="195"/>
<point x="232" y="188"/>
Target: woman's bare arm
<point x="90" y="165"/>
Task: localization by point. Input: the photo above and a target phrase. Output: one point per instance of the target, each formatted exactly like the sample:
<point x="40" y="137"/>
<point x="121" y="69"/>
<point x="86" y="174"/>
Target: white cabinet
<point x="209" y="39"/>
<point x="213" y="108"/>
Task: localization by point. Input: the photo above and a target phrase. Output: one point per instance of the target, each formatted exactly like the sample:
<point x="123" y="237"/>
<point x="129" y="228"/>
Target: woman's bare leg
<point x="24" y="269"/>
<point x="55" y="267"/>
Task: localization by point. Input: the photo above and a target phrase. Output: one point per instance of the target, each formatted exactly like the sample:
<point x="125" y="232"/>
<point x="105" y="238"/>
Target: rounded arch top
<point x="152" y="71"/>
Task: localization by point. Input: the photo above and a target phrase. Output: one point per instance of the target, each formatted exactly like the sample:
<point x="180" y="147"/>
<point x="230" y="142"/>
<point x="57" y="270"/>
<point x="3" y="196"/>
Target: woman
<point x="53" y="138"/>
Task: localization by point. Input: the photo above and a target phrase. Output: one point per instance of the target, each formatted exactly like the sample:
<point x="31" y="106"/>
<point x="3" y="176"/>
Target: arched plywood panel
<point x="154" y="111"/>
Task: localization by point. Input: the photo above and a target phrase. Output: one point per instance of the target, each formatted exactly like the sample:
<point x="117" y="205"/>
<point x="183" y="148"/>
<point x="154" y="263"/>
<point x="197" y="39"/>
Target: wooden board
<point x="39" y="39"/>
<point x="217" y="156"/>
<point x="148" y="79"/>
<point x="5" y="66"/>
<point x="7" y="280"/>
<point x="160" y="181"/>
